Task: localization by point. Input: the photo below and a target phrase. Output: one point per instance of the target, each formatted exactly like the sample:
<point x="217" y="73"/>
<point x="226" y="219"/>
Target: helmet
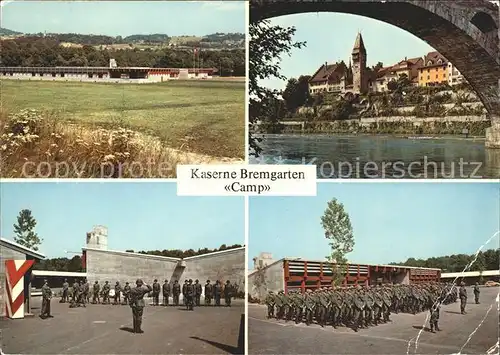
<point x="139" y="282"/>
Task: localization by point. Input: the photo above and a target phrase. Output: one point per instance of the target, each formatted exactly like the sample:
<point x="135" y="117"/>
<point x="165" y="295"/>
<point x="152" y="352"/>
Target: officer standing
<point x="208" y="293"/>
<point x="435" y="315"/>
<point x="476" y="292"/>
<point x="463" y="297"/>
<point x="156" y="293"/>
<point x="137" y="303"/>
<point x="118" y="289"/>
<point x="46" y="297"/>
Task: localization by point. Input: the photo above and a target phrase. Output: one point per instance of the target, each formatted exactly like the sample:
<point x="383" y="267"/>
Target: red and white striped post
<point x="14" y="286"/>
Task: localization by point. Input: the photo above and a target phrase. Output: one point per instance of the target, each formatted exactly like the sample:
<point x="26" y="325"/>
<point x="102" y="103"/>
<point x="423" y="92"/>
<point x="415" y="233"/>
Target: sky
<point x="139" y="216"/>
<point x="123" y="18"/>
<point x="330" y="38"/>
<point x="391" y="221"/>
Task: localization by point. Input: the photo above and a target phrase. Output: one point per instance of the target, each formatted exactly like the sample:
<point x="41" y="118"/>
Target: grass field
<point x="204" y="117"/>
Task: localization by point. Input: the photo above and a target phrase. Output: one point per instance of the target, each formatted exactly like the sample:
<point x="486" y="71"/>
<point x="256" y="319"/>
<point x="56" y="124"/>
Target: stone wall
<point x="270" y="278"/>
<point x="112" y="266"/>
<point x="223" y="266"/>
<point x="6" y="254"/>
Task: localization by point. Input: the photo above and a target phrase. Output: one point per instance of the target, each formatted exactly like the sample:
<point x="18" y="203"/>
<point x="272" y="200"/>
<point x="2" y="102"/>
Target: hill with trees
<point x="487" y="260"/>
<point x="7" y="32"/>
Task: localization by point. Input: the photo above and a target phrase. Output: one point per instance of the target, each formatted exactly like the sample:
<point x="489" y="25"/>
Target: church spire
<point x="359" y="46"/>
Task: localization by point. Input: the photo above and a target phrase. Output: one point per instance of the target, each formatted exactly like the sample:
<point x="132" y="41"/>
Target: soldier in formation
<point x="65" y="292"/>
<point x="359" y="307"/>
<point x="156" y="293"/>
<point x="117" y="296"/>
<point x="126" y="293"/>
<point x="95" y="293"/>
<point x="476" y="293"/>
<point x="197" y="293"/>
<point x="166" y="292"/>
<point x="46" y="298"/>
<point x="463" y="298"/>
<point x="190" y="294"/>
<point x="105" y="292"/>
<point x="208" y="293"/>
<point x="176" y="291"/>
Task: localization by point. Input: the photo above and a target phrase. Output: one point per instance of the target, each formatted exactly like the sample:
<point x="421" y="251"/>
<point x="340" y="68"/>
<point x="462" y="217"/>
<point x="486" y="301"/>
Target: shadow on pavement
<point x="420" y="327"/>
<point x="240" y="349"/>
<point x="127" y="329"/>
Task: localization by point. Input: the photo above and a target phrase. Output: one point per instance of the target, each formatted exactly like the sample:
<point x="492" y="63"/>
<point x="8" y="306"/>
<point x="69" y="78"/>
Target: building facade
<point x="434" y="71"/>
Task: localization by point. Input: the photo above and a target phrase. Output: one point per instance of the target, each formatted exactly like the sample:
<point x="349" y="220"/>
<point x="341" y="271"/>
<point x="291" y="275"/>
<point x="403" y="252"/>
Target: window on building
<point x="428" y="77"/>
<point x="436" y="76"/>
<point x="440" y="61"/>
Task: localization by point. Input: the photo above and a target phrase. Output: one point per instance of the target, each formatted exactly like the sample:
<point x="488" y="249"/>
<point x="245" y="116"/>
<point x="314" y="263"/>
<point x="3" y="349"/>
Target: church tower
<point x="359" y="79"/>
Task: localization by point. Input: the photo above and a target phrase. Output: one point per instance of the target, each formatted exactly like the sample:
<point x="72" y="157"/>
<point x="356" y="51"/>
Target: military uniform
<point x="65" y="292"/>
<point x="197" y="293"/>
<point x="217" y="292"/>
<point x="118" y="290"/>
<point x="137" y="303"/>
<point x="126" y="293"/>
<point x="46" y="298"/>
<point x="208" y="293"/>
<point x="228" y="293"/>
<point x="476" y="293"/>
<point x="156" y="293"/>
<point x="463" y="298"/>
<point x="309" y="302"/>
<point x="176" y="291"/>
<point x="95" y="293"/>
<point x="435" y="316"/>
<point x="190" y="293"/>
<point x="105" y="293"/>
<point x="184" y="290"/>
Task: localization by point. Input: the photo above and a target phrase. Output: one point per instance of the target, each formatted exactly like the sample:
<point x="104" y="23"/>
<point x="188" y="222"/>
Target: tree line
<point x="177" y="253"/>
<point x="48" y="52"/>
<point x="487" y="260"/>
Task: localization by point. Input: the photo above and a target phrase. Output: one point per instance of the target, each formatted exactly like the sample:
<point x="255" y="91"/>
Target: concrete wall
<point x="112" y="266"/>
<point x="6" y="254"/>
<point x="271" y="278"/>
<point x="223" y="266"/>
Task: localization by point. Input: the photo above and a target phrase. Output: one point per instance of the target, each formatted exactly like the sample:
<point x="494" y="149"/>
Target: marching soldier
<point x="166" y="292"/>
<point x="46" y="298"/>
<point x="156" y="293"/>
<point x="118" y="290"/>
<point x="359" y="306"/>
<point x="85" y="288"/>
<point x="76" y="292"/>
<point x="137" y="303"/>
<point x="228" y="293"/>
<point x="65" y="292"/>
<point x="208" y="293"/>
<point x="476" y="292"/>
<point x="126" y="293"/>
<point x="309" y="306"/>
<point x="197" y="293"/>
<point x="95" y="293"/>
<point x="463" y="297"/>
<point x="176" y="291"/>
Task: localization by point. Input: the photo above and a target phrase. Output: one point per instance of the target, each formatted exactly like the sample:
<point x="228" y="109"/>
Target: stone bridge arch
<point x="466" y="32"/>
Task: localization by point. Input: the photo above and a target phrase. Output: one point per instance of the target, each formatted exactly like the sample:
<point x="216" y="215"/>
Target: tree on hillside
<point x="25" y="230"/>
<point x="378" y="66"/>
<point x="338" y="229"/>
<point x="267" y="45"/>
<point x="296" y="93"/>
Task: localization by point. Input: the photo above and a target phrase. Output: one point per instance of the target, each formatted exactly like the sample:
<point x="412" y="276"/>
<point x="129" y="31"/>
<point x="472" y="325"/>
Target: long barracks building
<point x="112" y="74"/>
<point x="298" y="274"/>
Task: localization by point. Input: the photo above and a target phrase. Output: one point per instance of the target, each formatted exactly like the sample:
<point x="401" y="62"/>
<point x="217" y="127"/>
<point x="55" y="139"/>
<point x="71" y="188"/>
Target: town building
<point x="434" y="71"/>
<point x="454" y="76"/>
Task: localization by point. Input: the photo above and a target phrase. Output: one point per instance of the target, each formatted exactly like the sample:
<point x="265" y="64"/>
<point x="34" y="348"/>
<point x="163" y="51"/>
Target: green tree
<point x="296" y="93"/>
<point x="25" y="230"/>
<point x="338" y="229"/>
<point x="267" y="45"/>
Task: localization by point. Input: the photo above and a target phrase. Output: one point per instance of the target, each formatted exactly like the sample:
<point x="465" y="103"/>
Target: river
<point x="364" y="156"/>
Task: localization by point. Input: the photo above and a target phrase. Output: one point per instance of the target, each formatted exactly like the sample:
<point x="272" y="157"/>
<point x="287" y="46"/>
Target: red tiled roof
<point x="329" y="72"/>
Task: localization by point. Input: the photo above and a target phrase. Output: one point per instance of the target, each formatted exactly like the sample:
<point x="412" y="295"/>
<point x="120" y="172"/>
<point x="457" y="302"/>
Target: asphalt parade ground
<point x="107" y="329"/>
<point x="270" y="336"/>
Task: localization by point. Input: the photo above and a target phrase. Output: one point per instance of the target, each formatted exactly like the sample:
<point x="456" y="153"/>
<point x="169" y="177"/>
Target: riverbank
<point x="456" y="125"/>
